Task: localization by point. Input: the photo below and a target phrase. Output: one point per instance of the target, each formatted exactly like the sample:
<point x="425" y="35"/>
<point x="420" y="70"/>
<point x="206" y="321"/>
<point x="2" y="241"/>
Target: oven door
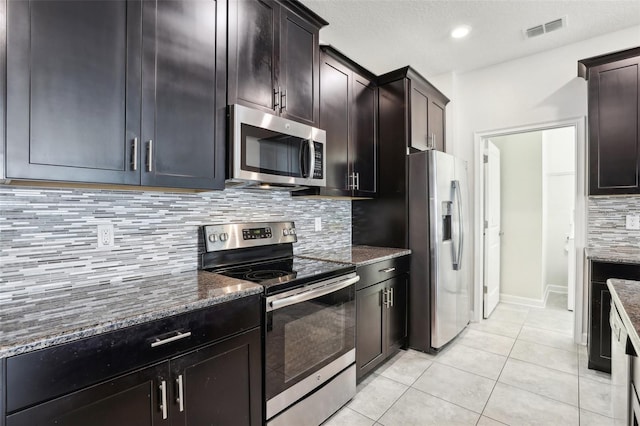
<point x="310" y="337"/>
<point x="272" y="149"/>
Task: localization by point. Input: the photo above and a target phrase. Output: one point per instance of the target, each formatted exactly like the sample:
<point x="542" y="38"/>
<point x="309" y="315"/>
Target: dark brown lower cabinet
<point x="599" y="340"/>
<point x="127" y="400"/>
<point x="201" y="367"/>
<point x="381" y="313"/>
<point x="221" y="383"/>
<point x="218" y="384"/>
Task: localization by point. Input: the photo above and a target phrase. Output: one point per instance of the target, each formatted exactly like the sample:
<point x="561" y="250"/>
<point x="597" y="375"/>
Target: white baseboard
<point x="524" y="301"/>
<point x="562" y="289"/>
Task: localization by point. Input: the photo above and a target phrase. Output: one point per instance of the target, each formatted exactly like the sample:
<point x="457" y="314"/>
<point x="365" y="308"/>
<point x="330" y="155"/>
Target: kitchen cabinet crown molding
<point x="585" y="65"/>
<point x="412" y="74"/>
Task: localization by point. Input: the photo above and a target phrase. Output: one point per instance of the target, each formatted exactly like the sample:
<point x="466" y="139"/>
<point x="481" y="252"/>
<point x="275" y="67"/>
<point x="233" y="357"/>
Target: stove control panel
<point x="243" y="235"/>
<point x="256" y="233"/>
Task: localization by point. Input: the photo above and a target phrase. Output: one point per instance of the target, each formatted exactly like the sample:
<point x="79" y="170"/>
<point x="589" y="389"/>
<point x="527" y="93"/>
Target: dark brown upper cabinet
<point x="348" y="113"/>
<point x="614" y="121"/>
<point x="274" y="58"/>
<point x="116" y="92"/>
<point x="425" y="109"/>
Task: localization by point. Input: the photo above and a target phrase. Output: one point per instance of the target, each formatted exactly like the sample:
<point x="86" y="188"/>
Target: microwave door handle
<point x="312" y="159"/>
<point x="303" y="159"/>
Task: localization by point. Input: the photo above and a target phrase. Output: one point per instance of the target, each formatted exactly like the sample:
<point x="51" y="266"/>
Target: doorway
<point x="542" y="221"/>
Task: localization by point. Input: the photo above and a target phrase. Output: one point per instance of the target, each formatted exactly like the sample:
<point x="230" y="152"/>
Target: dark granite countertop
<point x="358" y="255"/>
<point x="622" y="254"/>
<point x="64" y="315"/>
<point x="626" y="295"/>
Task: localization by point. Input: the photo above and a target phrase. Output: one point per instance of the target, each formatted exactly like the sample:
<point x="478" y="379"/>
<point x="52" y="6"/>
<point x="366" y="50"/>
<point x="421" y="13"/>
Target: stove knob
<point x="285" y="232"/>
<point x="213" y="238"/>
<point x="292" y="231"/>
<point x="224" y="236"/>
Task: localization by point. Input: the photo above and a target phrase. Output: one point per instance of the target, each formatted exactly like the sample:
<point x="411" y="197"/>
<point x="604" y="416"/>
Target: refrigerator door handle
<point x="458" y="259"/>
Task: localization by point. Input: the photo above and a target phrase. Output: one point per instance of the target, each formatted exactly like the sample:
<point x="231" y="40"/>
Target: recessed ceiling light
<point x="461" y="31"/>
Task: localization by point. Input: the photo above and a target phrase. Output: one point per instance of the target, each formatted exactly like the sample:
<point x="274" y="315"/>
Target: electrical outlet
<point x="318" y="224"/>
<point x="633" y="222"/>
<point x="105" y="235"/>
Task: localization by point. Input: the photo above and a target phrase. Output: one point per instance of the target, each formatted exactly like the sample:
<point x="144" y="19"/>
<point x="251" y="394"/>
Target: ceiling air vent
<point x="538" y="30"/>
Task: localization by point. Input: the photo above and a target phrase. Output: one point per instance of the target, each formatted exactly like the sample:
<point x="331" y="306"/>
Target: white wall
<point x="521" y="217"/>
<point x="558" y="183"/>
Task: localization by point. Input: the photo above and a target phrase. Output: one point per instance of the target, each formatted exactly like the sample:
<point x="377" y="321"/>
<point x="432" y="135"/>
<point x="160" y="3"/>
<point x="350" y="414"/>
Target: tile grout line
<point x="501" y="370"/>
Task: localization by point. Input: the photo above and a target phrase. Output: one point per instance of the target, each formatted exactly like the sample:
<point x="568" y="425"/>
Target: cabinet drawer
<point x="40" y="375"/>
<point x="381" y="271"/>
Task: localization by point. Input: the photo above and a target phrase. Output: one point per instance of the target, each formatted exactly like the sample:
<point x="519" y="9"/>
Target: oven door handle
<point x="311" y="294"/>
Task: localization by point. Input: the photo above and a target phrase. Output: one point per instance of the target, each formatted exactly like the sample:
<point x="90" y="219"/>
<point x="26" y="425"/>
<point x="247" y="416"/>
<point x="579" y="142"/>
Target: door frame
<point x="580" y="219"/>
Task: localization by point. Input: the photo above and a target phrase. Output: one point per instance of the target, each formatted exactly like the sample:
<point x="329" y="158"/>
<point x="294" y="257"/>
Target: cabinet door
<point x="397" y="313"/>
<point x="364" y="149"/>
<point x="184" y="98"/>
<point x="221" y="383"/>
<point x="436" y="120"/>
<point x="253" y="52"/>
<point x="419" y="118"/>
<point x="133" y="399"/>
<point x="335" y="110"/>
<point x="73" y="90"/>
<point x="370" y="328"/>
<point x="600" y="331"/>
<point x="299" y="68"/>
<point x="614" y="128"/>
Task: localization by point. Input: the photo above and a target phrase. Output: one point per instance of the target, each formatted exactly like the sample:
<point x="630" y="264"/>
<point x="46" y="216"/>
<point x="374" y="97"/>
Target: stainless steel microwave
<point x="268" y="149"/>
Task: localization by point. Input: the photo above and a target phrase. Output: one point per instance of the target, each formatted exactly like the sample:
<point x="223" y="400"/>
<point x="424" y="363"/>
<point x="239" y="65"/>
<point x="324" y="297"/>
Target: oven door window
<point x="264" y="151"/>
<point x="307" y="336"/>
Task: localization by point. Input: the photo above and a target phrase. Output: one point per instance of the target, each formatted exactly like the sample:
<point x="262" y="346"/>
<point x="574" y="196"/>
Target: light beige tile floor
<point x="519" y="367"/>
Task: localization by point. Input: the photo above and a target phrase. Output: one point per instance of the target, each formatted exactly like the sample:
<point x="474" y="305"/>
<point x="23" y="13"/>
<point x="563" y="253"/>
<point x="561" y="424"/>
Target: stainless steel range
<point x="309" y="309"/>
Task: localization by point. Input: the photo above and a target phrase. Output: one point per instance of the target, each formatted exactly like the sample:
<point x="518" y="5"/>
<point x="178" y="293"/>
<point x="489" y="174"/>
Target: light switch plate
<point x="633" y="222"/>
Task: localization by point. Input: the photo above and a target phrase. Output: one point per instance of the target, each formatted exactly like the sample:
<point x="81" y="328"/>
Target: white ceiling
<point x="383" y="35"/>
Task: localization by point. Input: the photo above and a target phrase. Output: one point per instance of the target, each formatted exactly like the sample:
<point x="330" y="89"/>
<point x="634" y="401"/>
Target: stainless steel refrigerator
<point x="441" y="261"/>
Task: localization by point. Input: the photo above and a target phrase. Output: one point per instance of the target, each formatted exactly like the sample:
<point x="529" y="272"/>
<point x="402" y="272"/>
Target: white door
<point x="492" y="228"/>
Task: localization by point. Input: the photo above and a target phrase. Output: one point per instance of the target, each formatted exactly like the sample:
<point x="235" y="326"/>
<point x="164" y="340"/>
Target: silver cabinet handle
<point x="311" y="294"/>
<point x="387" y="270"/>
<point x="283" y="100"/>
<point x="134" y="155"/>
<point x="180" y="398"/>
<point x="352" y="181"/>
<point x="357" y="180"/>
<point x="276" y="98"/>
<point x="163" y="399"/>
<point x="150" y="155"/>
<point x="391" y="297"/>
<point x="384" y="298"/>
<point x="178" y="336"/>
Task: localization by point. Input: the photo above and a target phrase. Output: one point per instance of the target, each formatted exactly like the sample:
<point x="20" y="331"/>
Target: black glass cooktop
<point x="283" y="274"/>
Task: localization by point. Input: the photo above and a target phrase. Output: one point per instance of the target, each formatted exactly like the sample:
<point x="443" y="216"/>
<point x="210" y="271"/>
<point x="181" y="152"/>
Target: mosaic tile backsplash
<point x="607" y="219"/>
<point x="48" y="237"/>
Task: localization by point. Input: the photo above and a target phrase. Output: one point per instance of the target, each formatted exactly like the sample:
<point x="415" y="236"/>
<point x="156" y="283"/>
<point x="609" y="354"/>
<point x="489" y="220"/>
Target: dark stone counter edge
<point x="612" y="256"/>
<point x="632" y="331"/>
<point x="70" y="335"/>
<point x="371" y="257"/>
<point x="400" y="253"/>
